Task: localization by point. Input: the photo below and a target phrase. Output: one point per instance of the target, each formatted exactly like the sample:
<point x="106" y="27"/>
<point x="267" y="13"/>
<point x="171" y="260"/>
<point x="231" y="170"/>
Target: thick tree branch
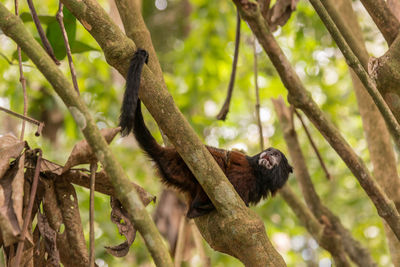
<point x="383" y="18"/>
<point x="130" y="12"/>
<point x="14" y="28"/>
<point x="326" y="238"/>
<point x="300" y="98"/>
<point x="233" y="219"/>
<point x="135" y="28"/>
<point x="353" y="248"/>
<point x="362" y="74"/>
<point x="385" y="71"/>
<point x="380" y="147"/>
<point x="239" y="223"/>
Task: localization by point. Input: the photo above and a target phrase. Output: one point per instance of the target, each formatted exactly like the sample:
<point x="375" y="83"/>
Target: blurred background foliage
<point x="194" y="41"/>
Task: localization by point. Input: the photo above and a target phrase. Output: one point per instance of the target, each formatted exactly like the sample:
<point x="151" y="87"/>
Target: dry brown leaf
<point x="119" y="216"/>
<point x="17" y="188"/>
<point x="49" y="236"/>
<point x="67" y="202"/>
<point x="10" y="148"/>
<point x="280" y="13"/>
<point x="82" y="153"/>
<point x="9" y="224"/>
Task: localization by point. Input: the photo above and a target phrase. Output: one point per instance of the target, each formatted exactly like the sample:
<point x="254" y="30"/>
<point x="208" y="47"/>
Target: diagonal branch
<point x="383" y="18"/>
<point x="43" y="38"/>
<point x="362" y="74"/>
<point x="13" y="27"/>
<point x="300" y="98"/>
<point x="353" y="248"/>
<point x="326" y="238"/>
<point x="232" y="221"/>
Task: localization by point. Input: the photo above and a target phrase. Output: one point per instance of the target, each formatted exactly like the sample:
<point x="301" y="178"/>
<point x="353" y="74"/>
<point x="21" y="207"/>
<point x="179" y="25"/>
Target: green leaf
<point x="55" y="37"/>
<point x="80" y="47"/>
<point x="44" y="19"/>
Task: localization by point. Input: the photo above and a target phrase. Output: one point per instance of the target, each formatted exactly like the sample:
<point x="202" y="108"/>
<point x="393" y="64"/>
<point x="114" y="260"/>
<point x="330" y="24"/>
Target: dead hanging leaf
<point x="280" y="13"/>
<point x="119" y="216"/>
<point x="82" y="153"/>
<point x="68" y="204"/>
<point x="50" y="240"/>
<point x="17" y="187"/>
<point x="10" y="221"/>
<point x="10" y="148"/>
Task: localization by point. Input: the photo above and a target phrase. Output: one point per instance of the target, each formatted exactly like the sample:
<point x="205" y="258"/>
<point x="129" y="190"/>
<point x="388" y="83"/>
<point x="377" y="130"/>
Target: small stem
<point x="255" y="70"/>
<point x="42" y="35"/>
<point x="321" y="161"/>
<point x="21" y="78"/>
<point x="225" y="108"/>
<point x="60" y="19"/>
<point x="181" y="242"/>
<point x="28" y="213"/>
<point x="25" y="118"/>
<point x="93" y="168"/>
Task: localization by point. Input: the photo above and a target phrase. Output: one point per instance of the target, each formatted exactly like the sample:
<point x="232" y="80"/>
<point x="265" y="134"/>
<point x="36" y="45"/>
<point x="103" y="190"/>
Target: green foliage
<point x="195" y="47"/>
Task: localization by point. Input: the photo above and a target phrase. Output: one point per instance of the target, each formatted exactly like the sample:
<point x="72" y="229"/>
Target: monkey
<point x="253" y="177"/>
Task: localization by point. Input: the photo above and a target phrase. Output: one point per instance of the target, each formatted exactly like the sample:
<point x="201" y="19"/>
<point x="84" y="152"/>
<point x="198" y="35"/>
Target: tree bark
<point x="13" y="27"/>
<point x="379" y="144"/>
<point x="300" y="98"/>
<point x="330" y="221"/>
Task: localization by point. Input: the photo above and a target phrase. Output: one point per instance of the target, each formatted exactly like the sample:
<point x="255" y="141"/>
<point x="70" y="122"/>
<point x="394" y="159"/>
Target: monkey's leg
<point x="200" y="205"/>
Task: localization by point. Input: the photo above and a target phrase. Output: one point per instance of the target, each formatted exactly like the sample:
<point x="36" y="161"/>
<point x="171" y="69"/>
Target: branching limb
<point x="325" y="237"/>
<point x="362" y="74"/>
<point x="353" y="248"/>
<point x="300" y="98"/>
<point x="383" y="18"/>
<point x="14" y="28"/>
<point x="233" y="221"/>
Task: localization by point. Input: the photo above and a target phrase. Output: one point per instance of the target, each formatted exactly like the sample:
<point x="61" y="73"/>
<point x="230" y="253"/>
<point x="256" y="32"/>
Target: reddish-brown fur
<point x="252" y="177"/>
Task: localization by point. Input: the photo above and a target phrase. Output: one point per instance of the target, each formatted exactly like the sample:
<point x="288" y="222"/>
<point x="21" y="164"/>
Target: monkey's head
<point x="273" y="170"/>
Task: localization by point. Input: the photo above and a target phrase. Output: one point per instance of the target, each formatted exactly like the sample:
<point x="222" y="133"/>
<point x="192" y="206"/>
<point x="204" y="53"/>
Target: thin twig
<point x="225" y="108"/>
<point x="6" y="58"/>
<point x="93" y="168"/>
<point x="180" y="242"/>
<point x="60" y="19"/>
<point x="255" y="70"/>
<point x="321" y="161"/>
<point x="45" y="41"/>
<point x="198" y="241"/>
<point x="25" y="118"/>
<point x="21" y="78"/>
<point x="11" y="63"/>
<point x="28" y="213"/>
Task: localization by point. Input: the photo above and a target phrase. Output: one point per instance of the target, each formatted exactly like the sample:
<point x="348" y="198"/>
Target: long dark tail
<point x="131" y="118"/>
<point x="131" y="95"/>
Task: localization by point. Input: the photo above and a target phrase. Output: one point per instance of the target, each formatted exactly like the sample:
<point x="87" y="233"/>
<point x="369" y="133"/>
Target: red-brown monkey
<point x="253" y="177"/>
